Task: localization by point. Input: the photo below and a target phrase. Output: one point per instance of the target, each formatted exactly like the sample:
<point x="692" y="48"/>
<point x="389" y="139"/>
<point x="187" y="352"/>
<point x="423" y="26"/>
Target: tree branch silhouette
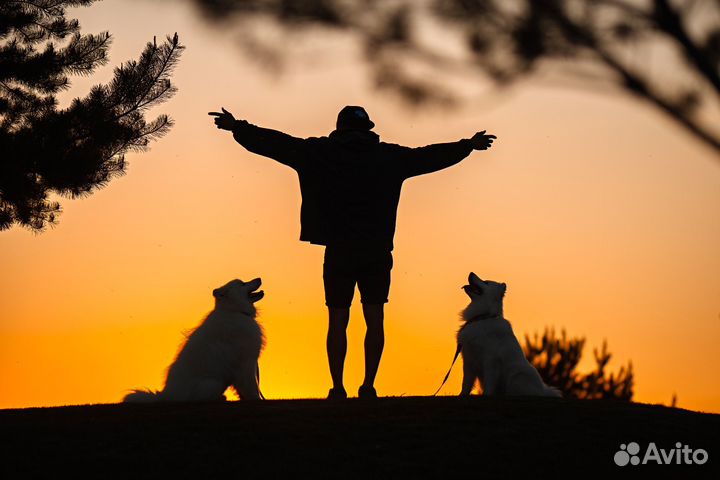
<point x="79" y="149"/>
<point x="510" y="40"/>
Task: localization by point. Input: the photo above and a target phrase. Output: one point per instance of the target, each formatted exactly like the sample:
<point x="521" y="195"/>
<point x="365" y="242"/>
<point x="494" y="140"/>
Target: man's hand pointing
<point x="224" y="120"/>
<point x="480" y="141"/>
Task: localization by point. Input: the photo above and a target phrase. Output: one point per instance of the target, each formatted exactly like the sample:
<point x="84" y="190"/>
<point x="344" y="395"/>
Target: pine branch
<point x="669" y="21"/>
<point x="167" y="63"/>
<point x="36" y="21"/>
<point x="80" y="149"/>
<point x="84" y="53"/>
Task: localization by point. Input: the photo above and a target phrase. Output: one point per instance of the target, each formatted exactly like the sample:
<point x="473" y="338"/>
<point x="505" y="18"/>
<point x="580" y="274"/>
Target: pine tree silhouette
<point x="78" y="149"/>
<point x="556" y="359"/>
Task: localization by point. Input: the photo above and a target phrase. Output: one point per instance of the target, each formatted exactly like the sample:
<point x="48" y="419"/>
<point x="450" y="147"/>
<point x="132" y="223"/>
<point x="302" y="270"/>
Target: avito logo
<point x="680" y="455"/>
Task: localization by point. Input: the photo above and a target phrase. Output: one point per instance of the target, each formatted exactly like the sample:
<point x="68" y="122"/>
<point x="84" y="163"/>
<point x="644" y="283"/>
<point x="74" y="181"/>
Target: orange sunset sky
<point x="601" y="216"/>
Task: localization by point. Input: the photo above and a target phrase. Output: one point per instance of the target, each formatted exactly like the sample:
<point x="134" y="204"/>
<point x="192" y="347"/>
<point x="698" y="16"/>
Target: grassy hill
<point x="388" y="438"/>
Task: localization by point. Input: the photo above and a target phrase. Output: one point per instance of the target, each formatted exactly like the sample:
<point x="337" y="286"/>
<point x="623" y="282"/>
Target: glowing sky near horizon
<point x="601" y="216"/>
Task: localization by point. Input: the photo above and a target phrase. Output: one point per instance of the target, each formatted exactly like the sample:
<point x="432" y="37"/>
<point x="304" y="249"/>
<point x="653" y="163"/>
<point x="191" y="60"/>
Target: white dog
<point x="490" y="351"/>
<point x="222" y="352"/>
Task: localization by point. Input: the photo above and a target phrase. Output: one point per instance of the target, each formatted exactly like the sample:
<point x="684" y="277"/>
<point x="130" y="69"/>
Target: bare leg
<point x="337" y="343"/>
<point x="374" y="340"/>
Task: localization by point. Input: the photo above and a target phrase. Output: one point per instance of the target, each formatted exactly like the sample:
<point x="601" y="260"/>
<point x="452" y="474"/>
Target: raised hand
<point x="224" y="120"/>
<point x="480" y="141"/>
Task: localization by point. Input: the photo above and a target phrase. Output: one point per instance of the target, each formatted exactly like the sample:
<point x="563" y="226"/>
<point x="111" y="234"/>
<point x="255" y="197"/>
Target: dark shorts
<point x="346" y="266"/>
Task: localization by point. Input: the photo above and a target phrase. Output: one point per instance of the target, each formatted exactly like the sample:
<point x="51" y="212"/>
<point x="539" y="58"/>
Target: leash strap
<point x="457" y="352"/>
<point x="257" y="378"/>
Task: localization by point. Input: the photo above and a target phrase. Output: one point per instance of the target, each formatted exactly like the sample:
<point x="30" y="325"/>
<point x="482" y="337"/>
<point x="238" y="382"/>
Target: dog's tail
<point x="552" y="392"/>
<point x="141" y="396"/>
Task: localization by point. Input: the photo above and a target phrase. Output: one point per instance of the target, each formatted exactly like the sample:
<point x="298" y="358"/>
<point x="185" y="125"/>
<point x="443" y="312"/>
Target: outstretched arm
<point x="279" y="146"/>
<point x="431" y="158"/>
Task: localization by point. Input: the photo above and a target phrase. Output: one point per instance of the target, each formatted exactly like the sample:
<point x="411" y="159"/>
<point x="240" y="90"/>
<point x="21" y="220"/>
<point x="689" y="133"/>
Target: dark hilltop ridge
<point x="396" y="437"/>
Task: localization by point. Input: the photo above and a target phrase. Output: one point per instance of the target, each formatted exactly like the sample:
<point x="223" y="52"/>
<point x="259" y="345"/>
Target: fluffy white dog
<point x="222" y="352"/>
<point x="490" y="351"/>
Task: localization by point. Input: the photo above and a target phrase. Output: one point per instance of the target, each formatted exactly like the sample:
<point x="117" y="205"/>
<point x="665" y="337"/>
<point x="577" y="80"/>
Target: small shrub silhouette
<point x="556" y="359"/>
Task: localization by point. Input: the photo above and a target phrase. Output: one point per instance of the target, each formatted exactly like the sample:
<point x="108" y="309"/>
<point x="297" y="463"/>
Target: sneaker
<point x="367" y="392"/>
<point x="336" y="394"/>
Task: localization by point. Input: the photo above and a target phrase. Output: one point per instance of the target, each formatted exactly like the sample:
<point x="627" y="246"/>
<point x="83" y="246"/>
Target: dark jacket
<point x="350" y="181"/>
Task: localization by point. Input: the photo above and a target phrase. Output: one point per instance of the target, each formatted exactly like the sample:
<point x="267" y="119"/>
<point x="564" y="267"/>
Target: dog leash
<point x="457" y="352"/>
<point x="257" y="378"/>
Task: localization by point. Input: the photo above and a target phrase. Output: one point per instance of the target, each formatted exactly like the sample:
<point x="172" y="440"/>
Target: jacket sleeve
<point x="279" y="146"/>
<point x="431" y="158"/>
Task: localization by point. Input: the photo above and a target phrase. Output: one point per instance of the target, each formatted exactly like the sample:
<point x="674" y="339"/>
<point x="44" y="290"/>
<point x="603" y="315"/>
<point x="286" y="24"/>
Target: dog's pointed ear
<point x="473" y="279"/>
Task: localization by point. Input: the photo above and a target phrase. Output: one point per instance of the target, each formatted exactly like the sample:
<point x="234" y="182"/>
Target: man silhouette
<point x="350" y="183"/>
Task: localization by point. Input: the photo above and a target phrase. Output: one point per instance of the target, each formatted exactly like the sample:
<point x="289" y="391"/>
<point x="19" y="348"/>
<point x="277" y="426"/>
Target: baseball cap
<point x="353" y="117"/>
